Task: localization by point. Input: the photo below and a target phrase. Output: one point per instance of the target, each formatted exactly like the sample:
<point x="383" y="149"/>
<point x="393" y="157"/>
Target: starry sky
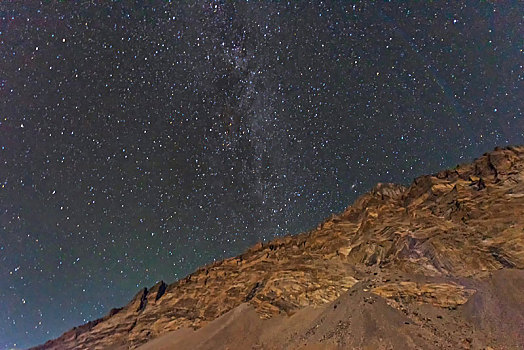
<point x="142" y="139"/>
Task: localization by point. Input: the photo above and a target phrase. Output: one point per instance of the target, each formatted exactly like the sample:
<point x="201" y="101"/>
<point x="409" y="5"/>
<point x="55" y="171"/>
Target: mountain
<point x="437" y="264"/>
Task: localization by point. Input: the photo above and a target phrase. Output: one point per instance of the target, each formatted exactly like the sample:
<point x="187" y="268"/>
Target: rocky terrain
<point x="438" y="264"/>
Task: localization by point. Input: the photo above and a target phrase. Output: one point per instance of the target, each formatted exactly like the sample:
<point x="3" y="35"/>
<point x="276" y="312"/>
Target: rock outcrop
<point x="431" y="243"/>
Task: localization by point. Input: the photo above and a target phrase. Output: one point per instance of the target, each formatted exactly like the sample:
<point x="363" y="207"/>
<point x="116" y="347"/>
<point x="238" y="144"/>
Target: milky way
<point x="140" y="140"/>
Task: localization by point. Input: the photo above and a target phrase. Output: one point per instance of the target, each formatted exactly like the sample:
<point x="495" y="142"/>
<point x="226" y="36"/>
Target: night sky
<point x="142" y="139"/>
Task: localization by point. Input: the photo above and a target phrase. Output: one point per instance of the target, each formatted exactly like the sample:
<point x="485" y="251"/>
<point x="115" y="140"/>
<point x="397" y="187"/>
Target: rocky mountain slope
<point x="422" y="261"/>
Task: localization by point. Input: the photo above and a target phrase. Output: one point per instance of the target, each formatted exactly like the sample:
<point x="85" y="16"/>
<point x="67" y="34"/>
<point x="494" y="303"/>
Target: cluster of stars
<point x="139" y="141"/>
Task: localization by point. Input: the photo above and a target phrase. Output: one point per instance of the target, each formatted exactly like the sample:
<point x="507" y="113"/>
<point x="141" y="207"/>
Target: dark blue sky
<point x="140" y="140"/>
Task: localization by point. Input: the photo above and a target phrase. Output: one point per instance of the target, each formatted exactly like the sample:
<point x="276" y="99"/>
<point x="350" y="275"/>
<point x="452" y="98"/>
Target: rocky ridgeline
<point x="413" y="244"/>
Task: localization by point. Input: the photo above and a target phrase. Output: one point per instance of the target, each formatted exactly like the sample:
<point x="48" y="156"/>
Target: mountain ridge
<point x="427" y="243"/>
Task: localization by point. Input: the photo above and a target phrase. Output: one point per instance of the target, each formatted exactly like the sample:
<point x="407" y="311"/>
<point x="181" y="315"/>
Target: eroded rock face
<point x="437" y="294"/>
<point x="455" y="225"/>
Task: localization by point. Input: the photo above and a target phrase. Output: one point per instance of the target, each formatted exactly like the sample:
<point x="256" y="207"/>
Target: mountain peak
<point x="436" y="242"/>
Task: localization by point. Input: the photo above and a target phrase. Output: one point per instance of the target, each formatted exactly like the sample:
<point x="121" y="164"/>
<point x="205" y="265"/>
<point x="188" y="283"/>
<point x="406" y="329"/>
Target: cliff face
<point x="434" y="243"/>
